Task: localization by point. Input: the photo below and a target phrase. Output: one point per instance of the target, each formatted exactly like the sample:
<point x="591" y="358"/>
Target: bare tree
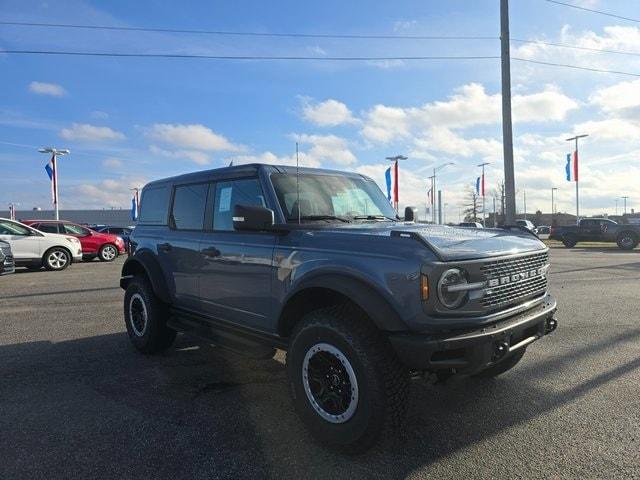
<point x="471" y="206"/>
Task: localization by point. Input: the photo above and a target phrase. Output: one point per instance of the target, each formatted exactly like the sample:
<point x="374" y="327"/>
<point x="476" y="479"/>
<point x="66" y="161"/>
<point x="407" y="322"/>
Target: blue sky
<point x="128" y="121"/>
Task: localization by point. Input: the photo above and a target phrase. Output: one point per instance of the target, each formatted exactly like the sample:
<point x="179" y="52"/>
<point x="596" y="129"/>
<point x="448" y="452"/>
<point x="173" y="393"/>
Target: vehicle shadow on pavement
<point x="94" y="408"/>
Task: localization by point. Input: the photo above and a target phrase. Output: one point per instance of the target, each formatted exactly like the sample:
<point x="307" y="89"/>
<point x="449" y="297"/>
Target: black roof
<point x="250" y="168"/>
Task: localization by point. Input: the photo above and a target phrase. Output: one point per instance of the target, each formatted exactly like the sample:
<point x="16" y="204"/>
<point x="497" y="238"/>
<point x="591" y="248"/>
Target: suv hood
<point x="455" y="243"/>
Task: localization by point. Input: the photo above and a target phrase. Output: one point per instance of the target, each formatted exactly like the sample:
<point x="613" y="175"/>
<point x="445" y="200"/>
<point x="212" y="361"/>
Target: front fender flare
<point x="145" y="262"/>
<point x="366" y="296"/>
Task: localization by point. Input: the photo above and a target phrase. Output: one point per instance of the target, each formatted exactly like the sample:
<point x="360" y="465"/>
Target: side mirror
<point x="252" y="218"/>
<point x="410" y="214"/>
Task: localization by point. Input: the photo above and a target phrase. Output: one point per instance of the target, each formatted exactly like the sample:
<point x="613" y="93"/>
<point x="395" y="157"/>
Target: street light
<point x="55" y="153"/>
<point x="553" y="205"/>
<point x="625" y="203"/>
<point x="433" y="184"/>
<point x="396" y="194"/>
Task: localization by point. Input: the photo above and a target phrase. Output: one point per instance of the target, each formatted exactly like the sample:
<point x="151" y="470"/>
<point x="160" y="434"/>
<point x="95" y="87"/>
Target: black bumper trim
<point x="468" y="351"/>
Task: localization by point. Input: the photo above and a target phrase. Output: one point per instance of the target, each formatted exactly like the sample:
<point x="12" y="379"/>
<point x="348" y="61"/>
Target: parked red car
<point x="105" y="246"/>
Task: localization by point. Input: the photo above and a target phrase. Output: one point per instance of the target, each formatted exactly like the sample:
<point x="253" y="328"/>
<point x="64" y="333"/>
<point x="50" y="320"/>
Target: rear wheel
<point x="347" y="385"/>
<point x="627" y="241"/>
<point x="56" y="258"/>
<point x="146" y="318"/>
<point x="108" y="253"/>
<point x="569" y="241"/>
<point x="504" y="366"/>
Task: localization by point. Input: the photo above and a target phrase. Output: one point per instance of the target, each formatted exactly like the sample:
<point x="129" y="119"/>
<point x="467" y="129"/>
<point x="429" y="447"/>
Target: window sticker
<point x="225" y="200"/>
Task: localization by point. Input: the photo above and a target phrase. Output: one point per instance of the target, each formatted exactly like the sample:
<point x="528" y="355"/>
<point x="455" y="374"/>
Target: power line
<point x="575" y="67"/>
<point x="591" y="10"/>
<point x="250" y="34"/>
<point x="243" y="57"/>
<point x="574" y="47"/>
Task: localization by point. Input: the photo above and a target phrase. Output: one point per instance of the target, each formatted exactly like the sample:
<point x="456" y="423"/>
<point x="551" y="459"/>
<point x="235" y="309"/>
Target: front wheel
<point x="108" y="253"/>
<point x="146" y="318"/>
<point x="56" y="259"/>
<point x="347" y="384"/>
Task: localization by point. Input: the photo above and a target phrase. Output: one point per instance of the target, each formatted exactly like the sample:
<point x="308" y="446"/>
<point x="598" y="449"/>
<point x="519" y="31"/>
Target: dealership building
<point x="115" y="217"/>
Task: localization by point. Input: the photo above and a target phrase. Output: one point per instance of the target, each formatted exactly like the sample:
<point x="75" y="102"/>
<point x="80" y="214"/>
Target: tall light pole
<point x="432" y="196"/>
<point x="435" y="170"/>
<point x="625" y="204"/>
<point x="616" y="207"/>
<point x="576" y="167"/>
<point x="55" y="153"/>
<point x="507" y="130"/>
<point x="524" y="199"/>
<point x="396" y="194"/>
<point x="482" y="192"/>
<point x="553" y="205"/>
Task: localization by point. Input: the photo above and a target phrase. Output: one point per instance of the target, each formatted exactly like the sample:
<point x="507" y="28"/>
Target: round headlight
<point x="449" y="295"/>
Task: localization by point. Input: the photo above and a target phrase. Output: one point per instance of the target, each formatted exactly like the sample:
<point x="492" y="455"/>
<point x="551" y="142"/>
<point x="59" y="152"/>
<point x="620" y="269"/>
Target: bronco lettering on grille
<point x="517" y="277"/>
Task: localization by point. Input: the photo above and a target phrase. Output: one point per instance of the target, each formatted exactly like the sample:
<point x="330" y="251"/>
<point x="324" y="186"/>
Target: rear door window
<point x="47" y="227"/>
<point x="154" y="206"/>
<point x="189" y="202"/>
<point x="245" y="191"/>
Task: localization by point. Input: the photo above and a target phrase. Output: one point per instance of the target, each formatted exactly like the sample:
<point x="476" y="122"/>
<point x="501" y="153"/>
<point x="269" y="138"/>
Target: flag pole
<point x="576" y="170"/>
<point x="54" y="162"/>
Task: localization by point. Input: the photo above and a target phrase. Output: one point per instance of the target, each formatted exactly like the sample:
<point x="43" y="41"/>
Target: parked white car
<point x="34" y="249"/>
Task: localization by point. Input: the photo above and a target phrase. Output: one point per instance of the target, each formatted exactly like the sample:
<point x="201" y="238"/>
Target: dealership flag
<point x="480" y="186"/>
<point x="571" y="168"/>
<point x="387" y="178"/>
<point x="135" y="205"/>
<point x="52" y="171"/>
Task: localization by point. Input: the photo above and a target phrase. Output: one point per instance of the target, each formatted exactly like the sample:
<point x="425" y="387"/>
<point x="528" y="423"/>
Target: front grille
<point x="511" y="292"/>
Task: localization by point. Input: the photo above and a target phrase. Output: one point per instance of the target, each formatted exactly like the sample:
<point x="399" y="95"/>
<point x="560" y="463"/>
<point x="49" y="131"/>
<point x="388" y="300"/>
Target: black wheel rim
<point x="330" y="383"/>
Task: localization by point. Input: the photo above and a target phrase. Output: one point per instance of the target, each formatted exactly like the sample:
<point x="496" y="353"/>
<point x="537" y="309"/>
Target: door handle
<point x="164" y="247"/>
<point x="211" y="252"/>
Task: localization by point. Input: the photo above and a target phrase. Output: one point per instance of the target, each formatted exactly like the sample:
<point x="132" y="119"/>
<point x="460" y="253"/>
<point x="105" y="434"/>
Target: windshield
<point x="331" y="197"/>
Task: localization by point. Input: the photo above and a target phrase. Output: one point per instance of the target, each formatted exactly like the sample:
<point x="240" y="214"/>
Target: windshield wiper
<point x="320" y="217"/>
<point x="374" y="217"/>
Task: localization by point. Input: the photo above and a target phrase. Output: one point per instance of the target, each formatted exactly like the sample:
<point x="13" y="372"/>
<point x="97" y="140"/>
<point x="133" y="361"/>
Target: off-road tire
<point x="504" y="366"/>
<point x="108" y="252"/>
<point x="153" y="336"/>
<point x="627" y="241"/>
<point x="56" y="259"/>
<point x="569" y="241"/>
<point x="382" y="382"/>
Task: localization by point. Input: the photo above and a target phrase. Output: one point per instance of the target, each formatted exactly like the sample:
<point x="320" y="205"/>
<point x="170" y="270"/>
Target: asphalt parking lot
<point x="76" y="401"/>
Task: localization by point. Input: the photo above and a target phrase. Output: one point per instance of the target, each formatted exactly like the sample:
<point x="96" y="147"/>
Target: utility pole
<point x="482" y="192"/>
<point x="507" y="130"/>
<point x="495" y="217"/>
<point x="439" y="207"/>
<point x="576" y="174"/>
<point x="625" y="204"/>
<point x="52" y="170"/>
<point x="616" y="207"/>
<point x="432" y="198"/>
<point x="396" y="193"/>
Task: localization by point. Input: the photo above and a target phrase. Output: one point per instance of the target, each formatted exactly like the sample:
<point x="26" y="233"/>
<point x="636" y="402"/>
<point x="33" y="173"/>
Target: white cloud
<point x="328" y="149"/>
<point x="106" y="193"/>
<point x="43" y="88"/>
<point x="328" y="113"/>
<point x="384" y="124"/>
<point x="87" y="132"/>
<point x="469" y="106"/>
<point x="621" y="96"/>
<point x="194" y="136"/>
<point x="196" y="156"/>
<point x="112" y="163"/>
<point x="610" y="129"/>
<point x="271" y="158"/>
<point x="441" y="139"/>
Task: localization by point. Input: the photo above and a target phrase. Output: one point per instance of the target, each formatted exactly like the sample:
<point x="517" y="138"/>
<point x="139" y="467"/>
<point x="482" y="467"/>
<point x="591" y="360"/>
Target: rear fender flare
<point x="144" y="261"/>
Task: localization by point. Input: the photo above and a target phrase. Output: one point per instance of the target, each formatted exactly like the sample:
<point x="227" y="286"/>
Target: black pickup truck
<point x="598" y="230"/>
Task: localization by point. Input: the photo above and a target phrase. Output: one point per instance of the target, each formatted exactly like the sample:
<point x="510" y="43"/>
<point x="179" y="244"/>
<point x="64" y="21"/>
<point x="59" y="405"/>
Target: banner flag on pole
<point x="387" y="177"/>
<point x="51" y="170"/>
<point x="571" y="168"/>
<point x="480" y="186"/>
<point x="12" y="211"/>
<point x="395" y="184"/>
<point x="135" y="206"/>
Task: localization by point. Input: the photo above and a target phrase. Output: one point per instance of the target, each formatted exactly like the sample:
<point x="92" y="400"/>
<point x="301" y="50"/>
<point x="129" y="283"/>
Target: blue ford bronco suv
<point x="317" y="263"/>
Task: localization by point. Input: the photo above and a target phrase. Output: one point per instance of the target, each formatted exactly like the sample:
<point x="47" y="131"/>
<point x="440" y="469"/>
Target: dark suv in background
<point x="258" y="257"/>
<point x="7" y="264"/>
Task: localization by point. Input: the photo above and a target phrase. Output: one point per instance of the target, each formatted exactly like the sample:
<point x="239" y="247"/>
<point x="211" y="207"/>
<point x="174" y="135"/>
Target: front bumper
<point x="468" y="351"/>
